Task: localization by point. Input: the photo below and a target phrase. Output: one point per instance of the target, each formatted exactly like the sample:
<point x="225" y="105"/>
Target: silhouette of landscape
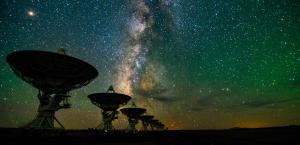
<point x="288" y="135"/>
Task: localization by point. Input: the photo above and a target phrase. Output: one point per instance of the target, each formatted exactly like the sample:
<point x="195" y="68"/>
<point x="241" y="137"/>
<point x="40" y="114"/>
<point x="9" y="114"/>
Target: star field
<point x="193" y="64"/>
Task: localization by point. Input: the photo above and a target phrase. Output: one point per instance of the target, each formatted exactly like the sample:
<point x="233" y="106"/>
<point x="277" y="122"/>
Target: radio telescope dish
<point x="145" y="120"/>
<point x="133" y="115"/>
<point x="54" y="75"/>
<point x="156" y="125"/>
<point x="109" y="103"/>
<point x="51" y="72"/>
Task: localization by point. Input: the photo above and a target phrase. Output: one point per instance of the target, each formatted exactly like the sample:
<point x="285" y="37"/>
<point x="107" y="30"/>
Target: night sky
<point x="194" y="64"/>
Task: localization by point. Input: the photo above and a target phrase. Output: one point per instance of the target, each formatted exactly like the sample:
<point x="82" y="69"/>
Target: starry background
<point x="194" y="64"/>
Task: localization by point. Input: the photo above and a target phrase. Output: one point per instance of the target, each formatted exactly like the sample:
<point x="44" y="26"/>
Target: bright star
<point x="31" y="13"/>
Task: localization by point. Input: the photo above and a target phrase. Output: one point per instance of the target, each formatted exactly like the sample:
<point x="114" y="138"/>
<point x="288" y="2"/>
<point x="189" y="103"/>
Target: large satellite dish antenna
<point x="54" y="75"/>
<point x="156" y="125"/>
<point x="146" y="120"/>
<point x="109" y="103"/>
<point x="133" y="114"/>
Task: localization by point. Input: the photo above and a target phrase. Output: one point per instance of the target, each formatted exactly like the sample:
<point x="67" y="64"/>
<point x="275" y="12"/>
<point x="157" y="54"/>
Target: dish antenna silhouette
<point x="109" y="103"/>
<point x="156" y="125"/>
<point x="54" y="75"/>
<point x="133" y="113"/>
<point x="146" y="120"/>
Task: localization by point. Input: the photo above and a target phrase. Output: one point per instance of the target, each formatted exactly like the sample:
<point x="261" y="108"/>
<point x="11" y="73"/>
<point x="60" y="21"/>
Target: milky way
<point x="193" y="64"/>
<point x="136" y="73"/>
<point x="135" y="50"/>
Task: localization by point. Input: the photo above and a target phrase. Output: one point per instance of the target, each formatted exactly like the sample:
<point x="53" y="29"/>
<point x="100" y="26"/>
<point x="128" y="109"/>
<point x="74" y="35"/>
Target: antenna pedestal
<point x="44" y="120"/>
<point x="107" y="117"/>
<point x="145" y="125"/>
<point x="132" y="123"/>
<point x="46" y="111"/>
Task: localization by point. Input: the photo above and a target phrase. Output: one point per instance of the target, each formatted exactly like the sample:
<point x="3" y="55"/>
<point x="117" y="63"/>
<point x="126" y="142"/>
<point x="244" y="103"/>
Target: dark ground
<point x="261" y="136"/>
